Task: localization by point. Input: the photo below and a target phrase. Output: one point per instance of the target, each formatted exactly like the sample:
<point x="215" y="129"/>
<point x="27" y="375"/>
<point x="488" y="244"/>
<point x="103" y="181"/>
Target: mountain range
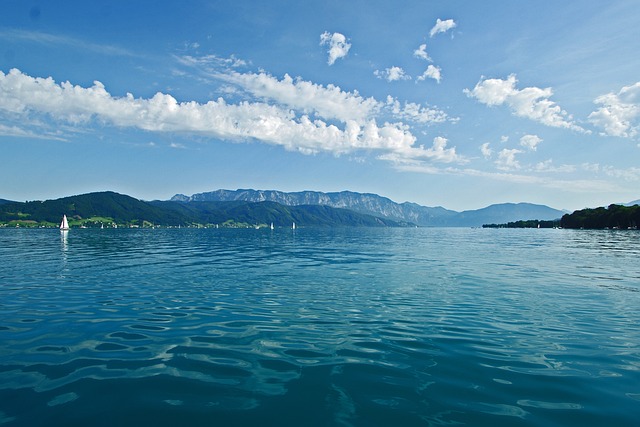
<point x="252" y="207"/>
<point x="373" y="204"/>
<point x="108" y="208"/>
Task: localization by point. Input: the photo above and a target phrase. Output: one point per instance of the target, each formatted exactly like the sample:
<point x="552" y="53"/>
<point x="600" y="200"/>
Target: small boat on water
<point x="272" y="227"/>
<point x="293" y="227"/>
<point x="64" y="225"/>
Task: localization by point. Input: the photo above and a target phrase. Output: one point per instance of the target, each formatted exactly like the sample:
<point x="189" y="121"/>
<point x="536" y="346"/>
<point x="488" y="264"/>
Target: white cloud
<point x="329" y="102"/>
<point x="442" y="26"/>
<point x="620" y="112"/>
<point x="507" y="159"/>
<point x="18" y="132"/>
<point x="212" y="60"/>
<point x="548" y="166"/>
<point x="530" y="141"/>
<point x="25" y="96"/>
<point x="338" y="45"/>
<point x="421" y="53"/>
<point x="486" y="150"/>
<point x="392" y="74"/>
<point x="415" y="112"/>
<point x="437" y="152"/>
<point x="531" y="102"/>
<point x="52" y="39"/>
<point x="431" y="72"/>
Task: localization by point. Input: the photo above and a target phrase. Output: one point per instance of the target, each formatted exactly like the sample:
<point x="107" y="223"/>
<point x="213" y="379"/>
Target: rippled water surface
<point x="319" y="327"/>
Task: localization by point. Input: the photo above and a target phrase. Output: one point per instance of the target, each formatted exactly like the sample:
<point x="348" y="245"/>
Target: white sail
<point x="272" y="226"/>
<point x="293" y="226"/>
<point x="64" y="225"/>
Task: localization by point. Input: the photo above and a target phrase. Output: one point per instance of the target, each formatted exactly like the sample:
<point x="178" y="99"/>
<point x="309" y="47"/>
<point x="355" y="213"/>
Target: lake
<point x="319" y="327"/>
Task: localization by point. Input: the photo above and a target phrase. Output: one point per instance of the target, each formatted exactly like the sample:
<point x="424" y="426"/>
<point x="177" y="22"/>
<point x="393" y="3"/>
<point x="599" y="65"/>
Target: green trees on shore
<point x="531" y="223"/>
<point x="614" y="216"/>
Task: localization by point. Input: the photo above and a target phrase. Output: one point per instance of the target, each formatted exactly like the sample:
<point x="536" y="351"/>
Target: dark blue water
<point x="319" y="327"/>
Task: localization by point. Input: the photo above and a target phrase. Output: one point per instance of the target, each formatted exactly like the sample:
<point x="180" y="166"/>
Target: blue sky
<point x="458" y="104"/>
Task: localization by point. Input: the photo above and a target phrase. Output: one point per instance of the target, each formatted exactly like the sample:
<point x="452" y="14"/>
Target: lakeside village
<point x="101" y="222"/>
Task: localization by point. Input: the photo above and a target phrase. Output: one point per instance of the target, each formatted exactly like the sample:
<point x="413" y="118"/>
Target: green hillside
<point x="96" y="209"/>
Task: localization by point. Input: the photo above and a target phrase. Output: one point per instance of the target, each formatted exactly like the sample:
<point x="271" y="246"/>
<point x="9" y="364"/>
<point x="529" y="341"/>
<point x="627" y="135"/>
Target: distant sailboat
<point x="64" y="225"/>
<point x="293" y="227"/>
<point x="272" y="227"/>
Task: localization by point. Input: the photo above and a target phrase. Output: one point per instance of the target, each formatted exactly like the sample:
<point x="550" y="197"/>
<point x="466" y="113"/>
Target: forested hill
<point x="119" y="208"/>
<point x="615" y="216"/>
<point x="96" y="209"/>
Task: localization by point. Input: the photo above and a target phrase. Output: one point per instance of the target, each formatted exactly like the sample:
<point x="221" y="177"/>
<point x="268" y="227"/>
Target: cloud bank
<point x="24" y="96"/>
<point x="531" y="102"/>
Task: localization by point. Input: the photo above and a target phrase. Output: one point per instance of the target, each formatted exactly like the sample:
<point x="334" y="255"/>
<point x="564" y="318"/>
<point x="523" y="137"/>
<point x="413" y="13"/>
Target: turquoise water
<point x="319" y="327"/>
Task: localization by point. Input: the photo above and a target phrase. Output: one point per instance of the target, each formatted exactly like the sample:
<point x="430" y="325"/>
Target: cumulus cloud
<point x="442" y="26"/>
<point x="415" y="112"/>
<point x="432" y="72"/>
<point x="507" y="159"/>
<point x="530" y="141"/>
<point x="328" y="102"/>
<point x="486" y="150"/>
<point x="421" y="53"/>
<point x="620" y="112"/>
<point x="392" y="74"/>
<point x="26" y="96"/>
<point x="337" y="44"/>
<point x="531" y="102"/>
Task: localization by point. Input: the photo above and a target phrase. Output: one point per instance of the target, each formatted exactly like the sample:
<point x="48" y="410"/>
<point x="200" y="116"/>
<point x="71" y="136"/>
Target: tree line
<point x="531" y="223"/>
<point x="612" y="217"/>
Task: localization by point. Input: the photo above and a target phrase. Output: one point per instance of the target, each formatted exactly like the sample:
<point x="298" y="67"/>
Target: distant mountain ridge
<point x="94" y="209"/>
<point x="373" y="204"/>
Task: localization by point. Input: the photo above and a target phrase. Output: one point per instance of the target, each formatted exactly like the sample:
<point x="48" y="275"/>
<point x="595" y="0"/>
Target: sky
<point x="459" y="104"/>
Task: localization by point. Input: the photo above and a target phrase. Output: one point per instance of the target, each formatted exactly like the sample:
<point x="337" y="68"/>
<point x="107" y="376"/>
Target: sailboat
<point x="293" y="226"/>
<point x="272" y="227"/>
<point x="64" y="225"/>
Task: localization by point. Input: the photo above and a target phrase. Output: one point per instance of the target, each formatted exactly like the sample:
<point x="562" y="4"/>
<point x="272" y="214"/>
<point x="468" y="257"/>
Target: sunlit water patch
<point x="362" y="327"/>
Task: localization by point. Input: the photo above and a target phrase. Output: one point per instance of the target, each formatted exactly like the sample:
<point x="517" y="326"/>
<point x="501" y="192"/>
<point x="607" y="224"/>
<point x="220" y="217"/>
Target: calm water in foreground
<point x="319" y="327"/>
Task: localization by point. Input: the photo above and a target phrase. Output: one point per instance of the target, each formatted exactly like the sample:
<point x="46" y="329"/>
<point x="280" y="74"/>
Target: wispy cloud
<point x="442" y="26"/>
<point x="392" y="74"/>
<point x="417" y="113"/>
<point x="18" y="132"/>
<point x="531" y="102"/>
<point x="620" y="112"/>
<point x="337" y="44"/>
<point x="57" y="39"/>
